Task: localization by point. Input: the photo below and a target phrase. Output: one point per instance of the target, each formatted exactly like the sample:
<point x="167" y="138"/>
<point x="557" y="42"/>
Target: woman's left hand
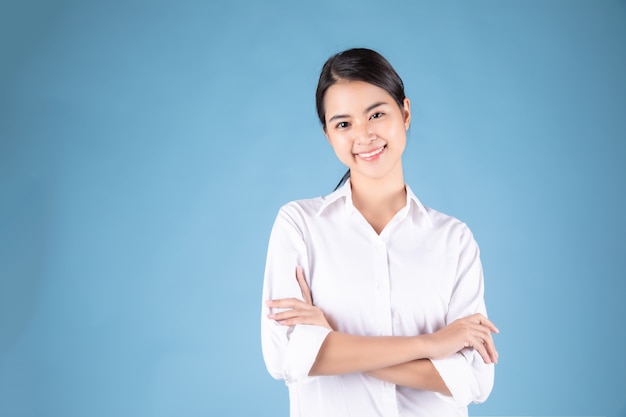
<point x="300" y="312"/>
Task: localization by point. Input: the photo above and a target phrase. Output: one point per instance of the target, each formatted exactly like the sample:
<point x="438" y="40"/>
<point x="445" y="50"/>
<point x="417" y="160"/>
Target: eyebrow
<point x="367" y="110"/>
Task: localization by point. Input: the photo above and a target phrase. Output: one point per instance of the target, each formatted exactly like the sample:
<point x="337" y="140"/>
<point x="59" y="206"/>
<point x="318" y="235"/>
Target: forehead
<point x="353" y="96"/>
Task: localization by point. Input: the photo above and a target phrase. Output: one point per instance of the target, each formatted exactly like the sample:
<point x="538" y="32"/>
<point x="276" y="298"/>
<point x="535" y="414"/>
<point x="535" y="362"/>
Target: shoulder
<point x="306" y="206"/>
<point x="438" y="221"/>
<point x="440" y="218"/>
<point x="447" y="225"/>
<point x="435" y="218"/>
<point x="301" y="210"/>
<point x="297" y="218"/>
<point x="311" y="208"/>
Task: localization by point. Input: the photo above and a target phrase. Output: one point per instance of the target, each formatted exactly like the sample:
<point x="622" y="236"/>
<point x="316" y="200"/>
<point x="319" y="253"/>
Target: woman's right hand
<point x="473" y="331"/>
<point x="299" y="312"/>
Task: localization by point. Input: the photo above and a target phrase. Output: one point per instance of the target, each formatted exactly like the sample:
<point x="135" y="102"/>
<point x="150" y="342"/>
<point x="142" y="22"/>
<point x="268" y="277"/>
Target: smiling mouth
<point x="372" y="154"/>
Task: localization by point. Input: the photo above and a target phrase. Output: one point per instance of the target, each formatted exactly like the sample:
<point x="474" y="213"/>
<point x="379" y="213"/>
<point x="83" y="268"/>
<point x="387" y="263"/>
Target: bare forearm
<point x="342" y="353"/>
<point x="419" y="374"/>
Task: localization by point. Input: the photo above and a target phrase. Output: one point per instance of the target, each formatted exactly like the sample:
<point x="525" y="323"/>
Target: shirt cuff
<point x="304" y="344"/>
<point x="457" y="374"/>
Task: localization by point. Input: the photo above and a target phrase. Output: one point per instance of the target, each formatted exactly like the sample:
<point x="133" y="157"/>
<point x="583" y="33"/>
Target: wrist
<point x="423" y="346"/>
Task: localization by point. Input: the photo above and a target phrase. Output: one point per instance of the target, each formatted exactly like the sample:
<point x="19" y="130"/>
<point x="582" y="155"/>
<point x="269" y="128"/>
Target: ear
<point x="406" y="110"/>
<point x="325" y="133"/>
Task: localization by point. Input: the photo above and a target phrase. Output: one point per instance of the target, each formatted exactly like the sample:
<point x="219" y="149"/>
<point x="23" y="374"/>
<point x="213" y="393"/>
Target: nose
<point x="365" y="136"/>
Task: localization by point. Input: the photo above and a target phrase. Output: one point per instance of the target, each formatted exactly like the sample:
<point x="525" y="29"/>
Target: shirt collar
<point x="345" y="192"/>
<point x="410" y="197"/>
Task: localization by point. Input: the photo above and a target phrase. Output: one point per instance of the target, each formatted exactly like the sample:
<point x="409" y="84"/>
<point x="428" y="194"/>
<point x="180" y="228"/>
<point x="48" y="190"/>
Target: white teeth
<point x="370" y="154"/>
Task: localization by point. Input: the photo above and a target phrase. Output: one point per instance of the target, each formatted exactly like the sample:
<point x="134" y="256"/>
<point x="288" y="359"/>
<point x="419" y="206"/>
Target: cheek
<point x="397" y="130"/>
<point x="342" y="148"/>
<point x="388" y="127"/>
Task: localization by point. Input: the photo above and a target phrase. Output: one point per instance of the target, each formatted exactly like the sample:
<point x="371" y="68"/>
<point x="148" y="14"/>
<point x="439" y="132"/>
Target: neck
<point x="379" y="195"/>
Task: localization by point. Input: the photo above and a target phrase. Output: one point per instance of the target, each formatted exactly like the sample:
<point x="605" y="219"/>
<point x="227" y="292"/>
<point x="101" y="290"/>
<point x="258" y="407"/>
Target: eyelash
<point x="343" y="125"/>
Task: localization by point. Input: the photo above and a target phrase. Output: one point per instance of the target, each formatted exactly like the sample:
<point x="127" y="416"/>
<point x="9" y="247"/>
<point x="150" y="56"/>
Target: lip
<point x="372" y="154"/>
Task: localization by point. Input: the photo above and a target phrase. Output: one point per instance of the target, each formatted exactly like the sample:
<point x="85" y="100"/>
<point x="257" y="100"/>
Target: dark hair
<point x="357" y="64"/>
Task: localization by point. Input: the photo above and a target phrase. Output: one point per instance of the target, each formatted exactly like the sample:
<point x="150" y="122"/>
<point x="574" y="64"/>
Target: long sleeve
<point x="421" y="272"/>
<point x="465" y="373"/>
<point x="289" y="352"/>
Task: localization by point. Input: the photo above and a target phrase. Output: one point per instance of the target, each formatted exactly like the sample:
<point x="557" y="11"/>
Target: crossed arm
<point x="402" y="360"/>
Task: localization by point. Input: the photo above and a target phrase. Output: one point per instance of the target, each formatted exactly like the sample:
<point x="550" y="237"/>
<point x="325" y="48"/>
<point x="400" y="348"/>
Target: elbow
<point x="485" y="381"/>
<point x="274" y="372"/>
<point x="289" y="353"/>
<point x="466" y="376"/>
<point x="273" y="345"/>
<point x="274" y="365"/>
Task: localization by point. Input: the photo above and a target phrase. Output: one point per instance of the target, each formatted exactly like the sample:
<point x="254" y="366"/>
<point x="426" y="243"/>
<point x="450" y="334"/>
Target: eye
<point x="377" y="115"/>
<point x="341" y="125"/>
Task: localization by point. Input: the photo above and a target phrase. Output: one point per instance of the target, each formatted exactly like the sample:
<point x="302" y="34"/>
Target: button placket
<point x="383" y="296"/>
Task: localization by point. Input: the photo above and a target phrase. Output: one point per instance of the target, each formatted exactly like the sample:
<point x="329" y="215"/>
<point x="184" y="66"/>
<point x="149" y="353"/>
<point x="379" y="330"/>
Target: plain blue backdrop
<point x="146" y="146"/>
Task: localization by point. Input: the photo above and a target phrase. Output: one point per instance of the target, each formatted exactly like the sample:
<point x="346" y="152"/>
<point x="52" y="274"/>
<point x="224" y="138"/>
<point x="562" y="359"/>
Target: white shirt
<point x="422" y="272"/>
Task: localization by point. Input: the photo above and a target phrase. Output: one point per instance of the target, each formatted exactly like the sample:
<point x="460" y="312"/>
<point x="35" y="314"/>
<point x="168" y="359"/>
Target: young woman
<point x="374" y="302"/>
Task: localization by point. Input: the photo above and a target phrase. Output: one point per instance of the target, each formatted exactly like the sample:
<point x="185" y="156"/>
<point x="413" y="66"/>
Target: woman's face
<point x="366" y="128"/>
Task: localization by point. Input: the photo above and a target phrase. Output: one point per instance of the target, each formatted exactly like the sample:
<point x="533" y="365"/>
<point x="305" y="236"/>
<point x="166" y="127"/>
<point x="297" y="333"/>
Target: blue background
<point x="146" y="146"/>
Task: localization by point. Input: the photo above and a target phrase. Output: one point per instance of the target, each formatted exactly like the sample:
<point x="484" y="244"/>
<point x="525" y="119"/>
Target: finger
<point x="285" y="303"/>
<point x="297" y="320"/>
<point x="304" y="287"/>
<point x="484" y="321"/>
<point x="483" y="335"/>
<point x="493" y="353"/>
<point x="491" y="346"/>
<point x="289" y="314"/>
<point x="482" y="350"/>
<point x="491" y="349"/>
<point x="479" y="338"/>
<point x="309" y="315"/>
<point x="486" y="340"/>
